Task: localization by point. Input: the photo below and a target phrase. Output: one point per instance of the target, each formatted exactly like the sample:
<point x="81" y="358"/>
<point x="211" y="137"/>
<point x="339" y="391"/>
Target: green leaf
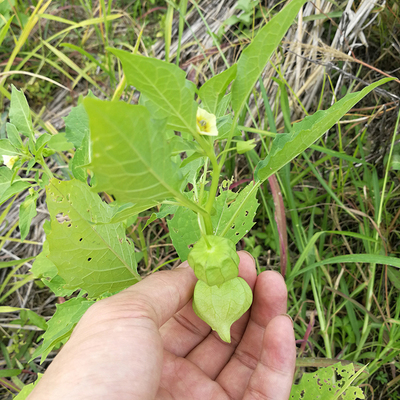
<point x="7" y="373"/>
<point x="287" y="146"/>
<point x="166" y="209"/>
<point x="168" y="94"/>
<point x="395" y="164"/>
<point x="4" y="29"/>
<point x="131" y="157"/>
<point x="233" y="218"/>
<point x="44" y="269"/>
<point x="233" y="221"/>
<point x="184" y="231"/>
<point x="81" y="161"/>
<point x="223" y="105"/>
<point x="190" y="171"/>
<point x="224" y="125"/>
<point x="41" y="142"/>
<point x="14" y="136"/>
<point x="59" y="142"/>
<point x="27" y="211"/>
<point x="327" y="383"/>
<point x="125" y="211"/>
<point x="255" y="56"/>
<point x="20" y="114"/>
<point x="6" y="189"/>
<point x="77" y="126"/>
<point x="221" y="305"/>
<point x="89" y="252"/>
<point x="5" y="179"/>
<point x="212" y="92"/>
<point x="34" y="319"/>
<point x="27" y="389"/>
<point x="61" y="325"/>
<point x="179" y="145"/>
<point x="7" y="149"/>
<point x="394" y="276"/>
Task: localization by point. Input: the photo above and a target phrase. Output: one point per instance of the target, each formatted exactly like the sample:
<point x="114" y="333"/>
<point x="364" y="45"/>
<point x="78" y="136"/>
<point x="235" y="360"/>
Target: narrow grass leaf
<point x="7" y="309"/>
<point x="6" y="373"/>
<point x="7" y="264"/>
<point x="337" y="154"/>
<point x="352" y="258"/>
<point x="88" y="55"/>
<point x="4" y="29"/>
<point x="64" y="58"/>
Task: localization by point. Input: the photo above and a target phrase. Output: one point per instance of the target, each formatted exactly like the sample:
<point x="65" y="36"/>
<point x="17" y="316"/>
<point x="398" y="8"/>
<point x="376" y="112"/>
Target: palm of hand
<point x="119" y="352"/>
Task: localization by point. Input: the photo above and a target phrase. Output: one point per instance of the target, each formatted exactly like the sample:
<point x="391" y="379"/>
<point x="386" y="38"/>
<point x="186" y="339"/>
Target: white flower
<point x="206" y="123"/>
<point x="9" y="161"/>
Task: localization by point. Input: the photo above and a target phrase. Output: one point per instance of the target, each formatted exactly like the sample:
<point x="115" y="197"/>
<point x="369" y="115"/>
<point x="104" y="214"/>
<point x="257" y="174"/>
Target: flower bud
<point x="245" y="146"/>
<point x="214" y="260"/>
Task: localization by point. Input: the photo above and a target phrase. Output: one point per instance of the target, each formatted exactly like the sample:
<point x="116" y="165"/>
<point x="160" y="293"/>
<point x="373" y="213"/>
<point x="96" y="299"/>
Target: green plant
<point x="134" y="155"/>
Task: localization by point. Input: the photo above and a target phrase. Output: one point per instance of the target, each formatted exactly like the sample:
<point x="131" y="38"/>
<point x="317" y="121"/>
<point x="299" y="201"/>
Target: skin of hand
<point x="147" y="343"/>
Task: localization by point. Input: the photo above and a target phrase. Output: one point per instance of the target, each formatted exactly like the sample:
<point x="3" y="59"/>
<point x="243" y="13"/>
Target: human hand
<point x="146" y="343"/>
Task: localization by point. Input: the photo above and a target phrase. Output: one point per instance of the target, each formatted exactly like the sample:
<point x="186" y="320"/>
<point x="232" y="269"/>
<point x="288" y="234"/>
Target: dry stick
<point x="383" y="92"/>
<point x="353" y="55"/>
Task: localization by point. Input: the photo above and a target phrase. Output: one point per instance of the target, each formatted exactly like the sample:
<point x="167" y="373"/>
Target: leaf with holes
<point x="168" y="94"/>
<point x="131" y="157"/>
<point x="234" y="220"/>
<point x="44" y="269"/>
<point x="328" y="383"/>
<point x="61" y="325"/>
<point x="184" y="231"/>
<point x="89" y="252"/>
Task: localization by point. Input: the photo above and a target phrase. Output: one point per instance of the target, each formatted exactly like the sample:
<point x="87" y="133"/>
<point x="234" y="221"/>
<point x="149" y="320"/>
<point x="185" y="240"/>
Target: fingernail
<point x="288" y="316"/>
<point x="244" y="251"/>
<point x="185" y="264"/>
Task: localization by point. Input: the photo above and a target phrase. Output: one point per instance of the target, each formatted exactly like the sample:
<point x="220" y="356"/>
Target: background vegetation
<point x="339" y="198"/>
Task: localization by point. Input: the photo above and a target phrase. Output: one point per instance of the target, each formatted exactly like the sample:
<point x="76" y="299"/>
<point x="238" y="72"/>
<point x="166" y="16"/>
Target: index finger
<point x="158" y="296"/>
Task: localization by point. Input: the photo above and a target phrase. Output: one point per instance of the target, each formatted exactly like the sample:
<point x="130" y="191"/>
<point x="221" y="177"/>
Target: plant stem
<point x="46" y="168"/>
